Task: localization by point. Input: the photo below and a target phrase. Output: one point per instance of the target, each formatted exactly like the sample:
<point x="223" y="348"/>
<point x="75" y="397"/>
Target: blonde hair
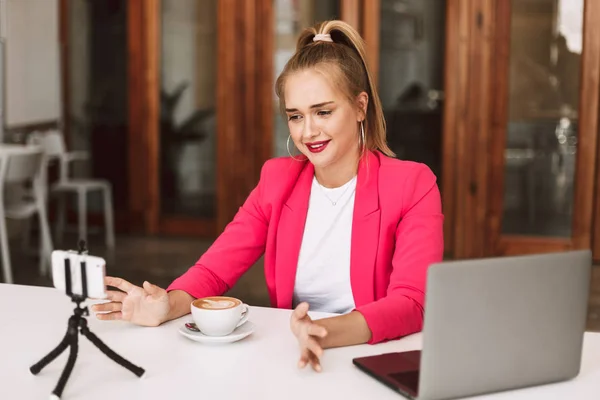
<point x="346" y="54"/>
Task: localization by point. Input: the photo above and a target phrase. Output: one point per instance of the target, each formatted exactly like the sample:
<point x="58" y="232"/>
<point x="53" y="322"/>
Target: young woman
<point x="344" y="227"/>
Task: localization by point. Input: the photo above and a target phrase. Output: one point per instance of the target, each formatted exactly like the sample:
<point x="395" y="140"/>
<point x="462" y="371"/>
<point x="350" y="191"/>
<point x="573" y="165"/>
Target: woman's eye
<point x="293" y="117"/>
<point x="324" y="113"/>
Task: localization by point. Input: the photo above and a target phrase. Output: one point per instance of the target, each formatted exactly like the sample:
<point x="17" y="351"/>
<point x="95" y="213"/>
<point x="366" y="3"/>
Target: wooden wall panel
<point x="138" y="159"/>
<point x="585" y="169"/>
<point x="500" y="83"/>
<point x="351" y="12"/>
<point x="228" y="110"/>
<point x="371" y="12"/>
<point x="264" y="107"/>
<point x="244" y="100"/>
<point x="461" y="134"/>
<point x="151" y="82"/>
<point x="143" y="27"/>
<point x="512" y="245"/>
<point x="483" y="18"/>
<point x="467" y="128"/>
<point x="592" y="36"/>
<point x="454" y="64"/>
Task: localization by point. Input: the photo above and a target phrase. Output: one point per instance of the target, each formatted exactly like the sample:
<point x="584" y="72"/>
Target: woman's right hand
<point x="147" y="306"/>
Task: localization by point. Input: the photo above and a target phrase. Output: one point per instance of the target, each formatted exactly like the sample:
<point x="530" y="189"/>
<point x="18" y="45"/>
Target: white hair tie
<point x="324" y="37"/>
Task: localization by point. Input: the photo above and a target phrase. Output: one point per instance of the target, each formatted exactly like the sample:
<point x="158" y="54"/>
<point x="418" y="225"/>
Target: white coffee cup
<point x="219" y="315"/>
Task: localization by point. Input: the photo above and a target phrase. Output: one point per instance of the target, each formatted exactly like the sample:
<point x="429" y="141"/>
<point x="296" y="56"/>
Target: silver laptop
<point x="492" y="325"/>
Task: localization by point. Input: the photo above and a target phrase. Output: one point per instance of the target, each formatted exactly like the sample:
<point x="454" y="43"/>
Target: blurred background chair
<point x="23" y="166"/>
<point x="55" y="150"/>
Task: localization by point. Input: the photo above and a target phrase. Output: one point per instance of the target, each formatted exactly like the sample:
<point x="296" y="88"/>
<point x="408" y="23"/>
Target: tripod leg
<point x="64" y="377"/>
<point x="36" y="368"/>
<point x="109" y="352"/>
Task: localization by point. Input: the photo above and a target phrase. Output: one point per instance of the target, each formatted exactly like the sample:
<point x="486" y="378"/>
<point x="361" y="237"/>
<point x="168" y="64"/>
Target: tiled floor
<point x="160" y="260"/>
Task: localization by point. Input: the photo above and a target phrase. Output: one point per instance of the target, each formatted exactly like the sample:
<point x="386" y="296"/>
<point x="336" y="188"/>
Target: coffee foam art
<point x="219" y="303"/>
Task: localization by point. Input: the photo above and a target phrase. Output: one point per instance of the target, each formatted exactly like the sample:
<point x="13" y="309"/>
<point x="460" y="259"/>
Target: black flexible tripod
<point x="77" y="322"/>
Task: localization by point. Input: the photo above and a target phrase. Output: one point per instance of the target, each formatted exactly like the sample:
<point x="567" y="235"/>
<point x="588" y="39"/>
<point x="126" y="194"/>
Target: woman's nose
<point x="310" y="129"/>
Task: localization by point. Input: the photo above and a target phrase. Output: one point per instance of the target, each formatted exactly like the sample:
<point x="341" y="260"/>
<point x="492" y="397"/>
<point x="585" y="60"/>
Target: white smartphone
<point x="95" y="271"/>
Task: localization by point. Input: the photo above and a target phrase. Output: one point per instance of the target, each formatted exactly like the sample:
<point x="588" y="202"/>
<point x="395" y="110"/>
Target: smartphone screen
<point x="95" y="271"/>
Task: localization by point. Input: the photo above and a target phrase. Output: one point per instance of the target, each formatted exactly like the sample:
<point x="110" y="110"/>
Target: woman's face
<point x="323" y="123"/>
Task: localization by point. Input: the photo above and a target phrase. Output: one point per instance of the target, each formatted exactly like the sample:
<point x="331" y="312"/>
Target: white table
<point x="262" y="366"/>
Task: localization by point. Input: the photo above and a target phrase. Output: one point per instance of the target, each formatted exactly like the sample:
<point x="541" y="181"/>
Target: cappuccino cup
<point x="219" y="315"/>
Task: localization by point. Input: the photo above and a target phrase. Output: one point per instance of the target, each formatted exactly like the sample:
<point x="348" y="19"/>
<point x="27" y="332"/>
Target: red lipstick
<point x="317" y="147"/>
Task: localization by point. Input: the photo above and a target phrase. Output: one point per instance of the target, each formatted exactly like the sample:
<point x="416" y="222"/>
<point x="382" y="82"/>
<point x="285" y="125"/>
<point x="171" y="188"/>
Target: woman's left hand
<point x="308" y="334"/>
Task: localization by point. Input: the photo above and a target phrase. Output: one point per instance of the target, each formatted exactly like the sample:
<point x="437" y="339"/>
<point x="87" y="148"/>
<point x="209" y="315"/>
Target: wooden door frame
<point x="583" y="201"/>
<point x="454" y="127"/>
<point x="464" y="113"/>
<point x="142" y="135"/>
<point x="466" y="141"/>
<point x="251" y="23"/>
<point x="244" y="120"/>
<point x="364" y="16"/>
<point x="351" y="12"/>
<point x="244" y="117"/>
<point x="594" y="36"/>
<point x="475" y="86"/>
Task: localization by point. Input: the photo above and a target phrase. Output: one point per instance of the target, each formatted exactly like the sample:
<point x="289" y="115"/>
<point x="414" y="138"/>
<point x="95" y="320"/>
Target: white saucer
<point x="238" y="334"/>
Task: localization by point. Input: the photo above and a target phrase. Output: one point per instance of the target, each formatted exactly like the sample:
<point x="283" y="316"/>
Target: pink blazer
<point x="396" y="235"/>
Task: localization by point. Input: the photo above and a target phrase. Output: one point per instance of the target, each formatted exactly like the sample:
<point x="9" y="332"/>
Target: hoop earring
<point x="287" y="146"/>
<point x="362" y="136"/>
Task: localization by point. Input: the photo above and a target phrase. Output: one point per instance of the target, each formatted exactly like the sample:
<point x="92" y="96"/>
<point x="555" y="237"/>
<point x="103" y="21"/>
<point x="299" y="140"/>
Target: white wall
<point x="32" y="62"/>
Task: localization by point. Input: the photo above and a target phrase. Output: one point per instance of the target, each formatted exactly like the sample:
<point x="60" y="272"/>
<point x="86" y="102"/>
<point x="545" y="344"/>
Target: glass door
<point x="163" y="125"/>
<point x="406" y="49"/>
<point x="410" y="78"/>
<point x="206" y="116"/>
<point x="542" y="123"/>
<point x="187" y="94"/>
<point x="543" y="164"/>
<point x="171" y="111"/>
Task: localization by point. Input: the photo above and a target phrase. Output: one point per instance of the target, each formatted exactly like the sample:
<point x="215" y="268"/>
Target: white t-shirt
<point x="323" y="274"/>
